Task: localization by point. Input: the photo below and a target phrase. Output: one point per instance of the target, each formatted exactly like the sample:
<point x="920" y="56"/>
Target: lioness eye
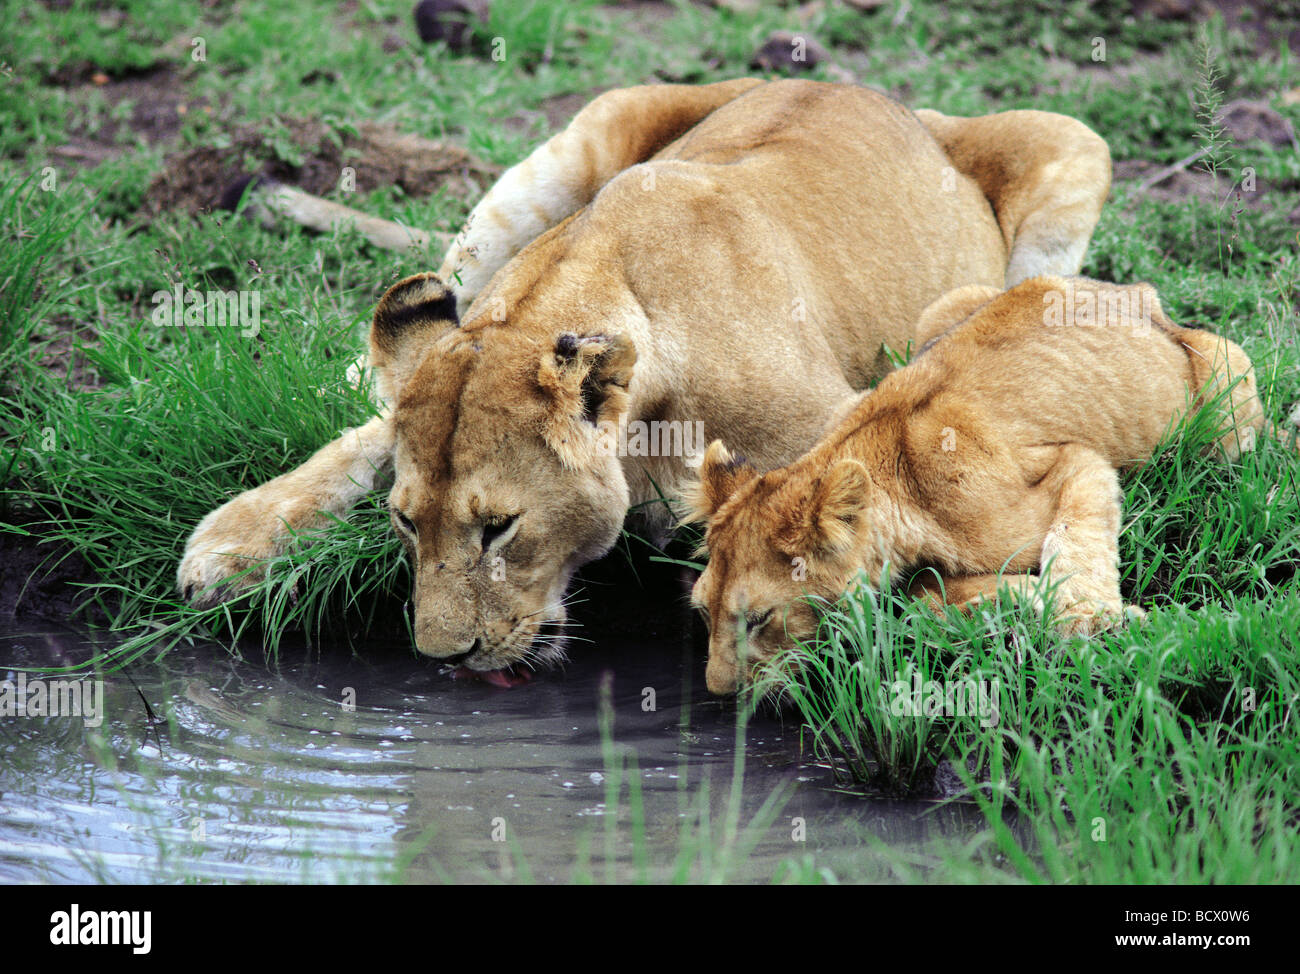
<point x="406" y="523"/>
<point x="495" y="527"/>
<point x="756" y="620"/>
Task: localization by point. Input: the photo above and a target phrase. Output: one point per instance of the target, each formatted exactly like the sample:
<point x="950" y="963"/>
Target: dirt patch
<point x="1246" y="121"/>
<point x="1153" y="180"/>
<point x="40" y="581"/>
<point x="556" y="111"/>
<point x="312" y="156"/>
<point x="1181" y="184"/>
<point x="157" y="105"/>
<point x="62" y="354"/>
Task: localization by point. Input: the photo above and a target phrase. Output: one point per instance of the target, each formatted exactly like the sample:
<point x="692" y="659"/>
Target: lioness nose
<point x="721" y="677"/>
<point x="459" y="658"/>
<point x="453" y="653"/>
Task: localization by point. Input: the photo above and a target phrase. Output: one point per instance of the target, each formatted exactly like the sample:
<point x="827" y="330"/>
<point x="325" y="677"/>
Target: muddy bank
<point x="198" y="179"/>
<point x="40" y="580"/>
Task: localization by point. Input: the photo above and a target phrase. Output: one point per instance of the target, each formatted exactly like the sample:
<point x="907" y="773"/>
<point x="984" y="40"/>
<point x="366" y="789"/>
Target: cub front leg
<point x="240" y="536"/>
<point x="1080" y="552"/>
<point x="966" y="592"/>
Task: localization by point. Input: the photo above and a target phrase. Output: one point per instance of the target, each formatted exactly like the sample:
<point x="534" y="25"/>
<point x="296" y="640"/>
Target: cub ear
<point x="951" y="309"/>
<point x="413" y="313"/>
<point x="585" y="379"/>
<point x="721" y="475"/>
<point x="828" y="523"/>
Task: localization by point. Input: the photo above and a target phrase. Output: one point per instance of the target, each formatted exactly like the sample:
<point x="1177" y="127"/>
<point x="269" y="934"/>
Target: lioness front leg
<point x="1080" y="553"/>
<point x="236" y="538"/>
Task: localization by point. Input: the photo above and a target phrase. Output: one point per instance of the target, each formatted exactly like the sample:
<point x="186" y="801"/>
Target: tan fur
<point x="997" y="450"/>
<point x="737" y="255"/>
<point x="1038" y="178"/>
<point x="952" y="309"/>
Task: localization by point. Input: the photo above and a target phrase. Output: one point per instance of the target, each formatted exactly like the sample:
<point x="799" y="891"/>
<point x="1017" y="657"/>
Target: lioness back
<point x="787" y="204"/>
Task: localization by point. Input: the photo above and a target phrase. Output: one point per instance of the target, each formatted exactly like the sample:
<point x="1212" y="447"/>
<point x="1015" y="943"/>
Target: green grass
<point x="1162" y="755"/>
<point x="116" y="463"/>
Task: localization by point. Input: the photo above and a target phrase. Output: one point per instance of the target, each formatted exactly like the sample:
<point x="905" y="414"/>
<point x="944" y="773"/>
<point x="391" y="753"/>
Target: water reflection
<point x="333" y="768"/>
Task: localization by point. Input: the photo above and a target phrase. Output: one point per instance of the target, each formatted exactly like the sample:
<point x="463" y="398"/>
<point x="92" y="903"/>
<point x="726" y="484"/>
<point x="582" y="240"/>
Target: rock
<point x="1256" y="121"/>
<point x="947" y="782"/>
<point x="806" y="13"/>
<point x="1168" y="9"/>
<point x="449" y="21"/>
<point x="789" y="52"/>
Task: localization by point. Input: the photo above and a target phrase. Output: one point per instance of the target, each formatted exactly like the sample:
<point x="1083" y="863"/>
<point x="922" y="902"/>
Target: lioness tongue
<point x="504" y="678"/>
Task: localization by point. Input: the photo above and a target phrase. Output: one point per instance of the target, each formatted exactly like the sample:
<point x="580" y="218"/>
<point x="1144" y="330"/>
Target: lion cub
<point x="996" y="449"/>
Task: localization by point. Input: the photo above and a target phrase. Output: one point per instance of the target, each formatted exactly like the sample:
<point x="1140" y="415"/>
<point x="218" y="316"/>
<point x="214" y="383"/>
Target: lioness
<point x="735" y="254"/>
<point x="996" y="449"/>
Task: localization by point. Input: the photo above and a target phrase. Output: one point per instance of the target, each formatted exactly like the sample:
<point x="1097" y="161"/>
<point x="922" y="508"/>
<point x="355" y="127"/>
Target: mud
<point x="159" y="104"/>
<point x="1189" y="183"/>
<point x="40" y="580"/>
<point x="194" y="180"/>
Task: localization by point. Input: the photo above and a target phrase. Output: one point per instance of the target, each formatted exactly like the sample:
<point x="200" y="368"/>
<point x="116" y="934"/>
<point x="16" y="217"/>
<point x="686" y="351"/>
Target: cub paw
<point x="228" y="551"/>
<point x="1091" y="618"/>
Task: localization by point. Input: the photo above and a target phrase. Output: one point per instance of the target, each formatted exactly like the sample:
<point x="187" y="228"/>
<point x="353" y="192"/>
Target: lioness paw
<point x="228" y="551"/>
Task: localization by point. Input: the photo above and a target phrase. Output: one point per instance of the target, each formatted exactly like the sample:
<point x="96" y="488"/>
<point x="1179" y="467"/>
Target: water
<point x="334" y="768"/>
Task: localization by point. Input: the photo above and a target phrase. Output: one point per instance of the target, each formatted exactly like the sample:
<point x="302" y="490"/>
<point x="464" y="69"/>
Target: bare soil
<point x="158" y="106"/>
<point x="194" y="180"/>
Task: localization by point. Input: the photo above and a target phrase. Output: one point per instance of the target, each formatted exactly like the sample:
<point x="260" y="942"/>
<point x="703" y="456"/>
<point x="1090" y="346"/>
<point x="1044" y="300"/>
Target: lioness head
<point x="774" y="540"/>
<point x="501" y="487"/>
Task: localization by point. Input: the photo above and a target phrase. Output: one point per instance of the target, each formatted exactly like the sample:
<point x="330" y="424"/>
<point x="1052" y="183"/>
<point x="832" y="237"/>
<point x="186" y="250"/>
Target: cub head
<point x="773" y="540"/>
<point x="502" y="488"/>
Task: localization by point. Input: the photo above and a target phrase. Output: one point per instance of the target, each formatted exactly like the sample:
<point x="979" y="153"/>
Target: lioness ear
<point x="828" y="523"/>
<point x="412" y="313"/>
<point x="721" y="475"/>
<point x="954" y="307"/>
<point x="586" y="379"/>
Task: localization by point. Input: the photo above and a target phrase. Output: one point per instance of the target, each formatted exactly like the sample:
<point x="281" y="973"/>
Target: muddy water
<point x="333" y="768"/>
